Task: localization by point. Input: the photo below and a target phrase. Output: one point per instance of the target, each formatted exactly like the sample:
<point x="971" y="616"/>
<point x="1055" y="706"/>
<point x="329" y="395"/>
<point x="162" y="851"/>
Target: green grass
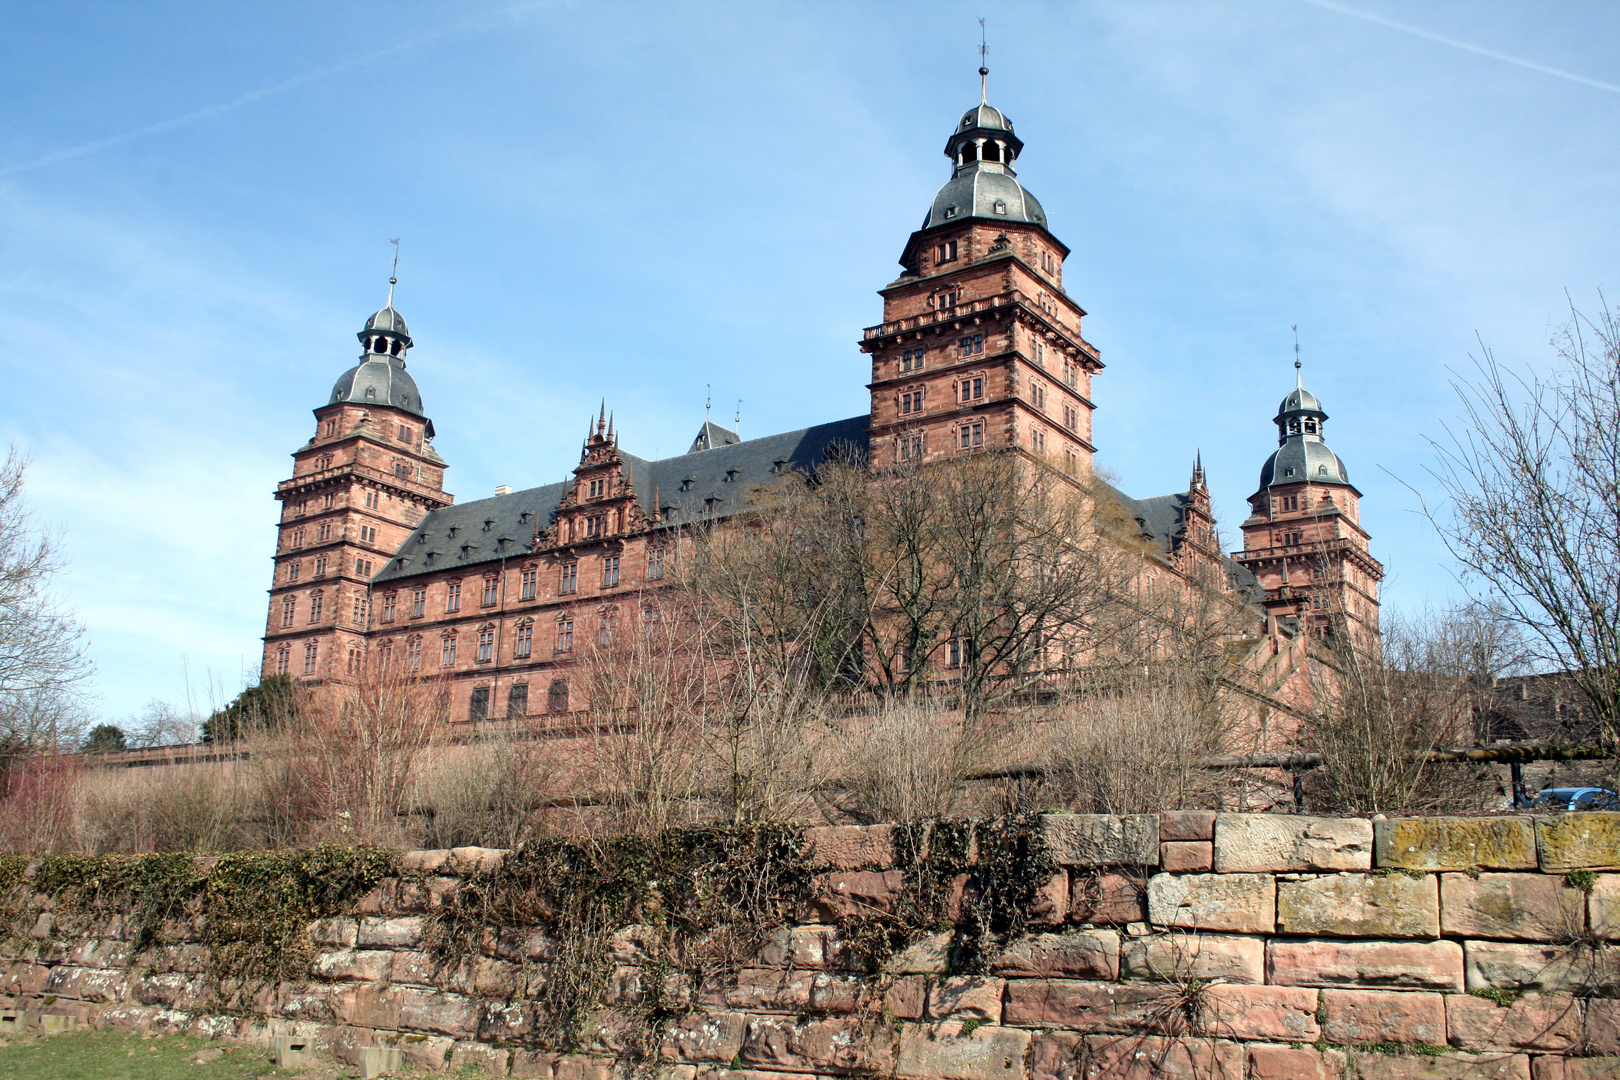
<point x="114" y="1055"/>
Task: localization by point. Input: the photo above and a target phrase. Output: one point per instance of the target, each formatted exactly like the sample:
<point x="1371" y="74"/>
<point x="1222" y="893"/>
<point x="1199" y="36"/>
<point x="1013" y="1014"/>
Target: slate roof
<point x="1161" y="520"/>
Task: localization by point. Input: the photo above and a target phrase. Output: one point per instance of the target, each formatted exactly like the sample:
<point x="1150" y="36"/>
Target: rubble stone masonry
<point x="1229" y="947"/>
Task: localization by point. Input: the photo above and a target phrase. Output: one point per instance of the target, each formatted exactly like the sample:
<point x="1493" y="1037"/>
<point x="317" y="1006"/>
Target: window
<point x="565" y="633"/>
<point x="292" y="570"/>
<point x="1071" y="417"/>
<point x="655" y="564"/>
<point x="596" y="489"/>
<point x="1037" y="395"/>
<point x="452" y="597"/>
<point x="354" y="662"/>
<point x="413" y="653"/>
<point x="478" y="707"/>
<point x="288" y="607"/>
<point x="404" y="434"/>
<point x="945" y="297"/>
<point x="371" y="500"/>
<point x="362" y="567"/>
<point x="1071" y="373"/>
<point x="486" y="644"/>
<point x="283" y="659"/>
<point x="324" y="461"/>
<point x="610" y="571"/>
<point x="971" y="389"/>
<point x="608" y="628"/>
<point x="298" y="537"/>
<point x="320" y="566"/>
<point x="368" y="534"/>
<point x="530" y="581"/>
<point x="389" y="600"/>
<point x="596" y="526"/>
<point x="447" y="651"/>
<point x="972" y="435"/>
<point x="329" y="428"/>
<point x="1289" y="502"/>
<point x="323" y="531"/>
<point x="525" y="641"/>
<point x="1071" y="460"/>
<point x="330" y="500"/>
<point x="945" y="252"/>
<point x="316" y="602"/>
<point x="953" y="652"/>
<point x="912" y="359"/>
<point x="491" y="591"/>
<point x="517" y="702"/>
<point x="570" y="579"/>
<point x="971" y="344"/>
<point x="402" y="470"/>
<point x="1037" y="441"/>
<point x="557" y="696"/>
<point x="911" y="402"/>
<point x="360" y="611"/>
<point x="311" y="655"/>
<point x="911" y="447"/>
<point x="1040" y="352"/>
<point x="418" y="603"/>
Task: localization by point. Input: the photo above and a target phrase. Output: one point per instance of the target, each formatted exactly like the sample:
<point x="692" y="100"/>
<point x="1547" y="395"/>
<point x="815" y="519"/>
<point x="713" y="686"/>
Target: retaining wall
<point x="1188" y="944"/>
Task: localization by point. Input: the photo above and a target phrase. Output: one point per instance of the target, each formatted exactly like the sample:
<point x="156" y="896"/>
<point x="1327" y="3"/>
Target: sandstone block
<point x="580" y="1067"/>
<point x="1078" y="954"/>
<point x="414" y="967"/>
<point x="1361" y="905"/>
<point x="1186" y="856"/>
<point x="1086" y="1006"/>
<point x="828" y="1044"/>
<point x="1533" y="1022"/>
<point x="100" y="984"/>
<point x="851" y="847"/>
<point x="505" y="1021"/>
<point x="1102" y="839"/>
<point x="335" y="933"/>
<point x="1179" y="957"/>
<point x="476" y="1059"/>
<point x="1555" y="969"/>
<point x="1179" y="825"/>
<point x="532" y="1064"/>
<point x="907" y="997"/>
<point x="98" y="953"/>
<point x="1603" y="1025"/>
<point x="704" y="1037"/>
<point x="1240" y="903"/>
<point x="1109" y="898"/>
<point x="1578" y="842"/>
<point x="477" y="860"/>
<point x="1605" y="1068"/>
<point x="1050" y="904"/>
<point x="379" y="1061"/>
<point x="1377" y="1066"/>
<point x="1289" y="1063"/>
<point x="966" y="997"/>
<point x="515" y="943"/>
<point x="1452" y="843"/>
<point x="857" y="892"/>
<point x="1370" y="1016"/>
<point x="1259" y="1012"/>
<point x="455" y="1015"/>
<point x="379" y="933"/>
<point x="927" y="956"/>
<point x="369" y="965"/>
<point x="806" y="947"/>
<point x="1055" y="1055"/>
<point x="947" y="1052"/>
<point x="432" y="861"/>
<point x="831" y="992"/>
<point x="1406" y="965"/>
<point x="368" y="1005"/>
<point x="1262" y="843"/>
<point x="1154" y="1057"/>
<point x="1603" y="906"/>
<point x="768" y="989"/>
<point x="1536" y="907"/>
<point x="421" y="1051"/>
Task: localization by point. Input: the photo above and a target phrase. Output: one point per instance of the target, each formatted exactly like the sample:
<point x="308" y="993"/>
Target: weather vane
<point x="393" y="277"/>
<point x="984" y="64"/>
<point x="1297" y="376"/>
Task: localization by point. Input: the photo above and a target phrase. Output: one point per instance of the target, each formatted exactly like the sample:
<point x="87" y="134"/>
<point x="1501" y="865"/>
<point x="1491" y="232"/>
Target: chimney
<point x="503" y="489"/>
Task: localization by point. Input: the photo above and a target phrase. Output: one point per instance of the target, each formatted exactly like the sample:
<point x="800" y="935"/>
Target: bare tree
<point x="1532" y="479"/>
<point x="42" y="657"/>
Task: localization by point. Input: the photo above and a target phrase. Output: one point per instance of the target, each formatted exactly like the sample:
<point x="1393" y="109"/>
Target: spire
<point x="1299" y="379"/>
<point x="984" y="69"/>
<point x="393" y="277"/>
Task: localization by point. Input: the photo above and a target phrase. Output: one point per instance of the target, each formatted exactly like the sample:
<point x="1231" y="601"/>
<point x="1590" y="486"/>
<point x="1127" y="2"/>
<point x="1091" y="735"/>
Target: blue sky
<point x="636" y="200"/>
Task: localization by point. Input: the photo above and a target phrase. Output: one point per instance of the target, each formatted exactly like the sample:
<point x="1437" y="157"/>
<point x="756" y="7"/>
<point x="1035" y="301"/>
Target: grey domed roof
<point x="984" y="116"/>
<point x="1302" y="459"/>
<point x="379" y="380"/>
<point x="388" y="319"/>
<point x="1300" y="400"/>
<point x="984" y="192"/>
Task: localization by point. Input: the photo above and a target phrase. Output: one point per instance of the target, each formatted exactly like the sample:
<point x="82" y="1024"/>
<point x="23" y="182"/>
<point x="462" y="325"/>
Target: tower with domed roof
<point x="1303" y="538"/>
<point x="980" y="346"/>
<point x="359" y="486"/>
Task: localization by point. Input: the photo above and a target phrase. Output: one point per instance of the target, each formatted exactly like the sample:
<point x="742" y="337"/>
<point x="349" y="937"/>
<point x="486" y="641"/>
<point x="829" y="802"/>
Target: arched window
<point x="397" y="348"/>
<point x="969" y="153"/>
<point x="992" y="151"/>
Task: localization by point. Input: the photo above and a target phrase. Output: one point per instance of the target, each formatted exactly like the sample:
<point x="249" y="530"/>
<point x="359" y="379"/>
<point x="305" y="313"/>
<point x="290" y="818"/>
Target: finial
<point x="393" y="277"/>
<point x="736" y="422"/>
<point x="610" y="427"/>
<point x="708" y="400"/>
<point x="1299" y="379"/>
<point x="984" y="68"/>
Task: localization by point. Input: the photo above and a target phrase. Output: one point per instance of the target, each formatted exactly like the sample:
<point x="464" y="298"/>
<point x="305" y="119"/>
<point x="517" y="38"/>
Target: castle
<point x="980" y="348"/>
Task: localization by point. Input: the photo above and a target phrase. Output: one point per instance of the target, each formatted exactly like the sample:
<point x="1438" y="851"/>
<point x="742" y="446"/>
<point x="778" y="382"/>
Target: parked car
<point x="1575" y="798"/>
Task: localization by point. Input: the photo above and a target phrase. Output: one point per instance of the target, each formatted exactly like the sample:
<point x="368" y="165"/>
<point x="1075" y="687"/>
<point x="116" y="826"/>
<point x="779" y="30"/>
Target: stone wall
<point x="1184" y="944"/>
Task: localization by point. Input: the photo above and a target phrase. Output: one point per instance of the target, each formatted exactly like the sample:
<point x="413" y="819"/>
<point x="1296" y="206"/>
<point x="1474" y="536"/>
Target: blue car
<point x="1575" y="798"/>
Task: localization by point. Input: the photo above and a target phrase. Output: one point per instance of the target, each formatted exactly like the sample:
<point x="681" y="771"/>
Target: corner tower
<point x="980" y="347"/>
<point x="1303" y="538"/>
<point x="359" y="486"/>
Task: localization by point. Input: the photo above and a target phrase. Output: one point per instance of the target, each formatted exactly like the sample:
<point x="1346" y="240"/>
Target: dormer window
<point x="1000" y="206"/>
<point x="453" y="530"/>
<point x="731" y="474"/>
<point x="687" y="482"/>
<point x="523" y="518"/>
<point x="946" y="252"/>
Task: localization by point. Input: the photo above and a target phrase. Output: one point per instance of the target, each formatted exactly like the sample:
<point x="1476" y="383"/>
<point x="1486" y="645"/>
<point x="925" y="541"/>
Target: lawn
<point x="113" y="1055"/>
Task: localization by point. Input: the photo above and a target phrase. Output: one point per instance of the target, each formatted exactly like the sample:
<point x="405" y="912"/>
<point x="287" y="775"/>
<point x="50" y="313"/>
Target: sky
<point x="639" y="201"/>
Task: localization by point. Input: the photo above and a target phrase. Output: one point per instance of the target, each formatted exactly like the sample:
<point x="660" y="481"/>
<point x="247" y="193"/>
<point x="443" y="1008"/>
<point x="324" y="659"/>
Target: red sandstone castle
<point x="980" y="348"/>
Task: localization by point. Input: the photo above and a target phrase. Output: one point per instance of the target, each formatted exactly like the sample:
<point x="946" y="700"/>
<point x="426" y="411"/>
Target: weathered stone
<point x="1086" y="1006"/>
<point x="1380" y="1066"/>
<point x="514" y="943"/>
<point x="1180" y="825"/>
<point x="532" y="1064"/>
<point x="380" y="933"/>
<point x="99" y="984"/>
<point x="851" y="847"/>
<point x="1604" y="1068"/>
<point x="948" y="1052"/>
<point x="447" y="1014"/>
<point x="1603" y="1025"/>
<point x="1108" y="898"/>
<point x="1603" y="906"/>
<point x="1266" y="843"/>
<point x="1055" y="1055"/>
<point x="1533" y="1022"/>
<point x="632" y="944"/>
<point x="806" y="947"/>
<point x="368" y="1005"/>
<point x="1240" y="903"/>
<point x="1186" y="856"/>
<point x="928" y="956"/>
<point x="1153" y="1057"/>
<point x="1371" y="1016"/>
<point x="176" y="990"/>
<point x="334" y="933"/>
<point x="414" y="967"/>
<point x="1360" y="905"/>
<point x="1536" y="907"/>
<point x="1452" y="843"/>
<point x="907" y="997"/>
<point x="369" y="965"/>
<point x="379" y="1061"/>
<point x="1102" y="839"/>
<point x="704" y="1037"/>
<point x="1588" y="841"/>
<point x="1178" y="957"/>
<point x="831" y="992"/>
<point x="966" y="997"/>
<point x="431" y="861"/>
<point x="98" y="953"/>
<point x="769" y="989"/>
<point x="580" y="1067"/>
<point x="506" y="1021"/>
<point x="476" y="1059"/>
<point x="421" y="1051"/>
<point x="857" y="892"/>
<point x="1293" y="1063"/>
<point x="1258" y="1012"/>
<point x="1406" y="965"/>
<point x="1050" y="904"/>
<point x="833" y="1043"/>
<point x="1078" y="954"/>
<point x="477" y="860"/>
<point x="1554" y="969"/>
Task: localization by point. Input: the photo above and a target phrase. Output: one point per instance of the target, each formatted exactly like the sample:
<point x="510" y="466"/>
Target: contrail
<point x="1465" y="46"/>
<point x="249" y="98"/>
